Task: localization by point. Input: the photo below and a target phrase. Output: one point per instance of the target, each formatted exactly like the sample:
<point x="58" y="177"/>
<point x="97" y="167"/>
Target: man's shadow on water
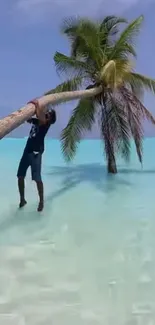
<point x="93" y="174"/>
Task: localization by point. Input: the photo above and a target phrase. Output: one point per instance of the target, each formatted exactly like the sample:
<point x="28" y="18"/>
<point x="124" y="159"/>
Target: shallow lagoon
<point x="89" y="258"/>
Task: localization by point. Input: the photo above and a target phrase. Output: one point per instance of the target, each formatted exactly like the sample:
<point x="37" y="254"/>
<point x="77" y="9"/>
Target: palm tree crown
<point x="103" y="56"/>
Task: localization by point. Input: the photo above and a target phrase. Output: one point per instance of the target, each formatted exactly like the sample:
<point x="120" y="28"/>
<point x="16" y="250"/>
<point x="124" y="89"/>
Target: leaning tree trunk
<point x="15" y="119"/>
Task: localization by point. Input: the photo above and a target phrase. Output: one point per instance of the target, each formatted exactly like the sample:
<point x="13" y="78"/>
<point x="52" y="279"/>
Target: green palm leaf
<point x="69" y="85"/>
<point x="82" y="118"/>
<point x="69" y="65"/>
<point x="70" y="25"/>
<point x="84" y="36"/>
<point x="124" y="45"/>
<point x="70" y="28"/>
<point x="110" y="24"/>
<point x="142" y="82"/>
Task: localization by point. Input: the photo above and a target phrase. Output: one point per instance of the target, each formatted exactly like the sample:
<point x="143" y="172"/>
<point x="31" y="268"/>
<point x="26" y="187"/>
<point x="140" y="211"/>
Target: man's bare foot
<point x="22" y="203"/>
<point x="40" y="206"/>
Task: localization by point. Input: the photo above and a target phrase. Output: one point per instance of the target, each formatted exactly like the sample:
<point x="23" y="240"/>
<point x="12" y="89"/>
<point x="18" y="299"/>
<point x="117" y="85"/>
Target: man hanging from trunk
<point x="32" y="155"/>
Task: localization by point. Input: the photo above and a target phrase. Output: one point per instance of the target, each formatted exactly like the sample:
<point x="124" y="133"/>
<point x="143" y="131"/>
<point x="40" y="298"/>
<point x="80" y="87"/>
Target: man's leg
<point x="22" y="169"/>
<point x="21" y="187"/>
<point x="36" y="160"/>
<point x="40" y="188"/>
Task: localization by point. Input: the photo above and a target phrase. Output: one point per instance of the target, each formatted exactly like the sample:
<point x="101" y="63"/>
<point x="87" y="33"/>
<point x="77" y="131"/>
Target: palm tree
<point x="102" y="58"/>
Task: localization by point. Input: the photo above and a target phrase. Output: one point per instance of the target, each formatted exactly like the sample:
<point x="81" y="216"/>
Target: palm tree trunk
<point x="112" y="167"/>
<point x="109" y="145"/>
<point x="15" y="119"/>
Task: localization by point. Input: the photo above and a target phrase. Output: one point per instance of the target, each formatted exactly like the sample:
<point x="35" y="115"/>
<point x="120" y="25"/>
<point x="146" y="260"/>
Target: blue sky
<point x="30" y="35"/>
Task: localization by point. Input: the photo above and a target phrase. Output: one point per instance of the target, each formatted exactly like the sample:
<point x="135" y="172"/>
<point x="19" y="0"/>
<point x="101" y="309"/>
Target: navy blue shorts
<point x="32" y="160"/>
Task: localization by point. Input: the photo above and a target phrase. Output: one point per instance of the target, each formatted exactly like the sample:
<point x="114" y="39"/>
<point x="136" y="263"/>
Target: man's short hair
<point x="52" y="115"/>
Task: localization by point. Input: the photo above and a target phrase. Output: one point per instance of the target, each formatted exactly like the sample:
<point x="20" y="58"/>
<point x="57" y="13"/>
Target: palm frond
<point x="118" y="118"/>
<point x="124" y="45"/>
<point x="110" y="24"/>
<point x="84" y="36"/>
<point x="142" y="82"/>
<point x="137" y="133"/>
<point x="69" y="26"/>
<point x="128" y="49"/>
<point x="82" y="118"/>
<point x="134" y="86"/>
<point x="137" y="105"/>
<point x="69" y="85"/>
<point x="137" y="112"/>
<point x="90" y="37"/>
<point x="69" y="65"/>
<point x="109" y="28"/>
<point x="136" y="125"/>
<point x="114" y="128"/>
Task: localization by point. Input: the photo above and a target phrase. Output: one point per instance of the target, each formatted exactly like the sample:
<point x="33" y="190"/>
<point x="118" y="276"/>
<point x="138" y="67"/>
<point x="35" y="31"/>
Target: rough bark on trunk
<point x="15" y="119"/>
<point x="112" y="167"/>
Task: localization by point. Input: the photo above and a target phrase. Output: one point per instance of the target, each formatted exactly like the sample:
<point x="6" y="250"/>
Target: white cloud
<point x="38" y="9"/>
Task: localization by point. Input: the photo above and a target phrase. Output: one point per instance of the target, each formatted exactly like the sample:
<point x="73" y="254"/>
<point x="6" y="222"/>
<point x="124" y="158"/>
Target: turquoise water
<point x="89" y="258"/>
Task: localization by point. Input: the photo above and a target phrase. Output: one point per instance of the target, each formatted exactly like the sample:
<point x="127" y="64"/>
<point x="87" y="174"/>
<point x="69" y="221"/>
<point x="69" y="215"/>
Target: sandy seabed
<point x="89" y="258"/>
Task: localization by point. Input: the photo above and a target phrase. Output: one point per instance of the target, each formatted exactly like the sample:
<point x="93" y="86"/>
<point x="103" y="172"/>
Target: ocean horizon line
<point x="54" y="138"/>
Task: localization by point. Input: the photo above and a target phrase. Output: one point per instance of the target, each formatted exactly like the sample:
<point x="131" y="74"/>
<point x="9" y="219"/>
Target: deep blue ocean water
<point x="89" y="258"/>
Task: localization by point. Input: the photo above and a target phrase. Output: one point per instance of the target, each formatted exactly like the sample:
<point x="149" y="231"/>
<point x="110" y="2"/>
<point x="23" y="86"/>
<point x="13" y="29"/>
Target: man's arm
<point x="39" y="112"/>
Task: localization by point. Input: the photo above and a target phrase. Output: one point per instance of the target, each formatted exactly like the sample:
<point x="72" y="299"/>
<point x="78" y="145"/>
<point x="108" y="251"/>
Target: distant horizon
<point x="55" y="138"/>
